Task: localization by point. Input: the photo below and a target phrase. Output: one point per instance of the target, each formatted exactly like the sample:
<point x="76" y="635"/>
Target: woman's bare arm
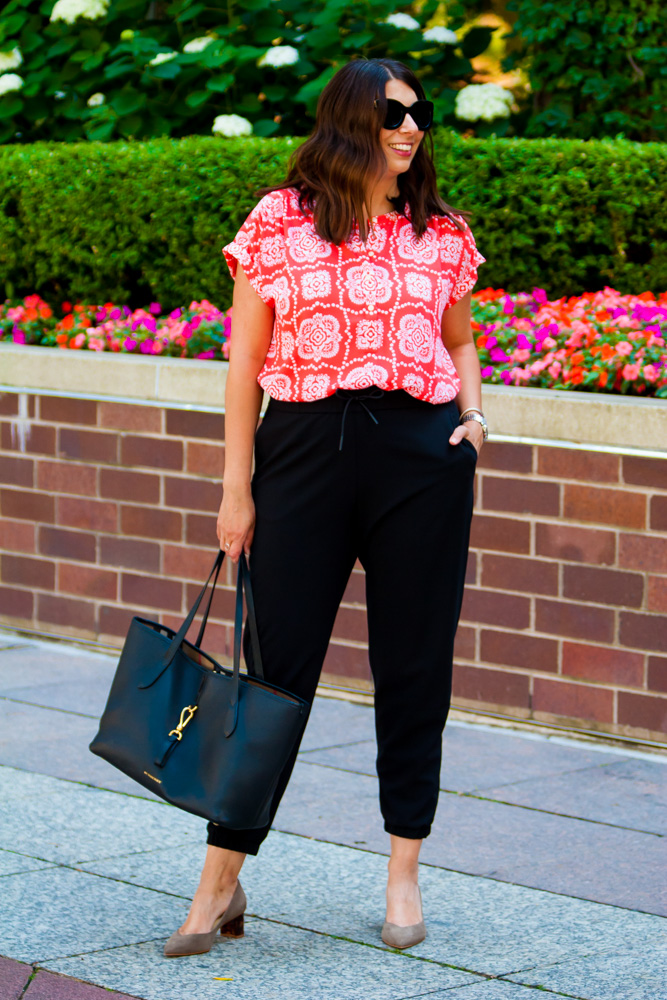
<point x="252" y="328"/>
<point x="457" y="337"/>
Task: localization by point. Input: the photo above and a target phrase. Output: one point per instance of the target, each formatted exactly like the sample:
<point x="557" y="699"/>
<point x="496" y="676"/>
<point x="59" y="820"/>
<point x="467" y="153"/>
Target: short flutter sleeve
<point x="259" y="246"/>
<point x="459" y="257"/>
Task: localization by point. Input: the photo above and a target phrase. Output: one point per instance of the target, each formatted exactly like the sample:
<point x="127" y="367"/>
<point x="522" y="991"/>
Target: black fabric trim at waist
<point x="391" y="399"/>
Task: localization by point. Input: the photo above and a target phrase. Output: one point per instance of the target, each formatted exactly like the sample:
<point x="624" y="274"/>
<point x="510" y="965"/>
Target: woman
<point x="352" y="311"/>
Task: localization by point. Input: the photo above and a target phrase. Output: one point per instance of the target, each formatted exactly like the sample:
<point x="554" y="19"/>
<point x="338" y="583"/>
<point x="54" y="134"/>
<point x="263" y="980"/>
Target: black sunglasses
<point x="421" y="113"/>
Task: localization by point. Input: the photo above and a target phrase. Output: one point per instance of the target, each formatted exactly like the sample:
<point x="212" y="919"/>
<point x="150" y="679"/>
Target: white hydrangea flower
<point x="198" y="44"/>
<point x="486" y="101"/>
<point x="10" y="82"/>
<point x="162" y="57"/>
<point x="404" y="21"/>
<point x="70" y="10"/>
<point x="279" y="55"/>
<point x="231" y="126"/>
<point x="95" y="100"/>
<point x="10" y="60"/>
<point x="59" y="94"/>
<point x="443" y="36"/>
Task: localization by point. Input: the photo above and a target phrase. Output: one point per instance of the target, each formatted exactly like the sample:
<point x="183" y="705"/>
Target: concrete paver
<point x="543" y="868"/>
<point x="14" y="977"/>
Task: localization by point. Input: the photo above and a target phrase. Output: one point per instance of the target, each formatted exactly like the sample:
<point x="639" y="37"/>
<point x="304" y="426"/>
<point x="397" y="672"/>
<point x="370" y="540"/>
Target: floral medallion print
<point x="286" y="344"/>
<point x="273" y="251"/>
<point x="422" y="251"/>
<point x="368" y="334"/>
<point x="278" y="386"/>
<point x="414" y="384"/>
<point x="315" y="284"/>
<point x="450" y="249"/>
<point x="419" y="286"/>
<point x="357" y="314"/>
<point x="279" y="291"/>
<point x="365" y="376"/>
<point x="415" y="338"/>
<point x="375" y="242"/>
<point x="368" y="282"/>
<point x="443" y="392"/>
<point x="305" y="245"/>
<point x="318" y="337"/>
<point x="315" y="386"/>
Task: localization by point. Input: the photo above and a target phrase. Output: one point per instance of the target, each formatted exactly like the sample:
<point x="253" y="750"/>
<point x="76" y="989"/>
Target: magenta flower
<point x="498" y="355"/>
<point x="155" y="308"/>
<point x="130" y="345"/>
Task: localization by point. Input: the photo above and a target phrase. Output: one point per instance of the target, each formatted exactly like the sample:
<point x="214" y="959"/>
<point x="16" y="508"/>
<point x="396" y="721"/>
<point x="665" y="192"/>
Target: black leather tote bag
<point x="210" y="740"/>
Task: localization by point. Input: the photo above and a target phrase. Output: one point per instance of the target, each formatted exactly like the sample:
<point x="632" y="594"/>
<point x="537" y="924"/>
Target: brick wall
<point x="108" y="509"/>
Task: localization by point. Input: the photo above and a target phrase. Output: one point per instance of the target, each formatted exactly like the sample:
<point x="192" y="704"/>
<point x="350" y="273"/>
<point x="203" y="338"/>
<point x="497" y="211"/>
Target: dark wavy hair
<point x="332" y="168"/>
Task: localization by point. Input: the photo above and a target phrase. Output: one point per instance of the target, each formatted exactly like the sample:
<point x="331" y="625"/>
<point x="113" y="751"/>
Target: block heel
<point x="229" y="923"/>
<point x="234" y="928"/>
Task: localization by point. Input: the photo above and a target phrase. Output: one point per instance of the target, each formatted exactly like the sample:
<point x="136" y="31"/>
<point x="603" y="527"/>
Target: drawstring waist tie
<point x="358" y="398"/>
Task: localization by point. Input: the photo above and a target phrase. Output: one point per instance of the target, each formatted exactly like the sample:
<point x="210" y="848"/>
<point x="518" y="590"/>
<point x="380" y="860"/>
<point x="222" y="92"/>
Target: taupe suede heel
<point x="404" y="937"/>
<point x="230" y="924"/>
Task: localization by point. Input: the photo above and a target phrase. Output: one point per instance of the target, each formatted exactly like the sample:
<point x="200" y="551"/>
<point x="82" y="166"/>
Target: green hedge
<point x="135" y="222"/>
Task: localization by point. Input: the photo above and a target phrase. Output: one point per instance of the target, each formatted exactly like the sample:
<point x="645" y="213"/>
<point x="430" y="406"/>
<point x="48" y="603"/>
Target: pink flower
<point x="520" y="355"/>
<point x="554" y="369"/>
<point x="624" y="347"/>
<point x="630" y="372"/>
<point x="650" y="372"/>
<point x="549" y="343"/>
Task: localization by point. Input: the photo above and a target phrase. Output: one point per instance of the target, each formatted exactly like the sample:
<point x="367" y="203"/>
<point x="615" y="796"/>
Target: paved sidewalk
<point x="545" y="870"/>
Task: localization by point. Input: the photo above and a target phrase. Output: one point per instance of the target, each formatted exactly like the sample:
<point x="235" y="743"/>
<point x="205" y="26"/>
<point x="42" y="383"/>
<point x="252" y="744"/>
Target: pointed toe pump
<point x="403" y="937"/>
<point x="229" y="923"/>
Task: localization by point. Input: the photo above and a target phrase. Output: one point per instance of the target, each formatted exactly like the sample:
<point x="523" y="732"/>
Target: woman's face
<point x="400" y="145"/>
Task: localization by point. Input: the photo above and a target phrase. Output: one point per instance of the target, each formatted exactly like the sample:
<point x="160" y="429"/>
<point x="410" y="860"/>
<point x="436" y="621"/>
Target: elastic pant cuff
<point x="410" y="833"/>
<point x="243" y="841"/>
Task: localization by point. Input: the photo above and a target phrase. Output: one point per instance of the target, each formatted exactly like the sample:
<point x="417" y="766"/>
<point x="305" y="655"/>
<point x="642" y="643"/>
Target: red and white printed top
<point x="358" y="314"/>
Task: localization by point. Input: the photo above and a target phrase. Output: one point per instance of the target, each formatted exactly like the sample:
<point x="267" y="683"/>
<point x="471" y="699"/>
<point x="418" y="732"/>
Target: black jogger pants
<point x="366" y="474"/>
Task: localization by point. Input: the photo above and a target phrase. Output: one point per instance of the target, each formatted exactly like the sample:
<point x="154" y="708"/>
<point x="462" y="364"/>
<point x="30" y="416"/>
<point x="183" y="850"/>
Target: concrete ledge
<point x="597" y="420"/>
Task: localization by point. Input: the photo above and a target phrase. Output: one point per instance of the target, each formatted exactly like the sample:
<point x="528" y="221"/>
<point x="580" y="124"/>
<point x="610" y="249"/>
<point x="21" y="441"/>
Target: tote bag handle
<point x="242" y="581"/>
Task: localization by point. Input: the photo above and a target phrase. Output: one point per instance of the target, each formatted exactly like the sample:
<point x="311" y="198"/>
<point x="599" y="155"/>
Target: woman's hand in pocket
<point x="472" y="430"/>
<point x="236" y="520"/>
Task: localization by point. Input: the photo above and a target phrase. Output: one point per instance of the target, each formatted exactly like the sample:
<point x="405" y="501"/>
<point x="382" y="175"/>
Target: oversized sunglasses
<point x="421" y="113"/>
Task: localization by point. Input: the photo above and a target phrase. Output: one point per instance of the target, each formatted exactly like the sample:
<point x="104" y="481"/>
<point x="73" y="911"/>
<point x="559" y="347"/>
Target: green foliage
<point x="141" y="222"/>
<point x="64" y="65"/>
<point x="597" y="68"/>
